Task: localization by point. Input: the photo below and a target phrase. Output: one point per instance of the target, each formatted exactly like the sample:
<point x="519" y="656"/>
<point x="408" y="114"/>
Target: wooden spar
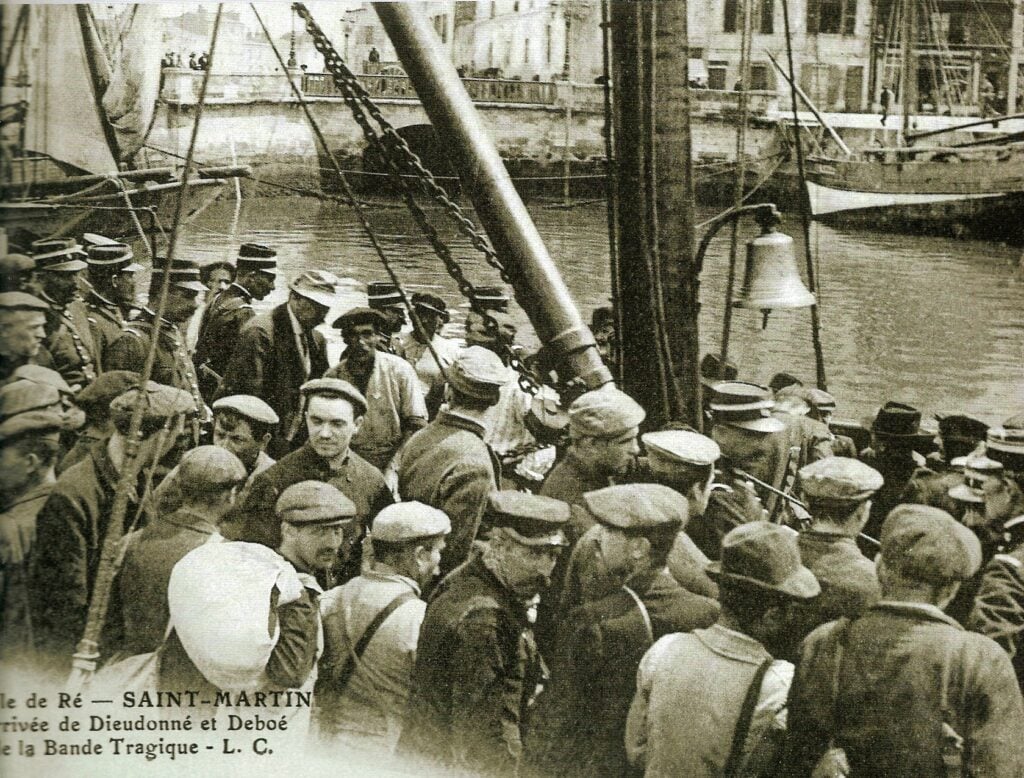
<point x="538" y="286"/>
<point x="994" y="121"/>
<point x="807" y="101"/>
<point x="908" y="72"/>
<point x="657" y="279"/>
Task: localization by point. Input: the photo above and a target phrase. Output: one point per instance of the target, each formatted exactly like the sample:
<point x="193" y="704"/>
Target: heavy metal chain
<point x="398" y="157"/>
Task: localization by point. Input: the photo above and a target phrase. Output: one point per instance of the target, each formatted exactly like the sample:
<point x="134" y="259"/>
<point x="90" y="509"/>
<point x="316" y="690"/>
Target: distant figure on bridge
<point x="204" y="61"/>
<point x="192" y="63"/>
<point x="373" y="56"/>
<point x="886" y="99"/>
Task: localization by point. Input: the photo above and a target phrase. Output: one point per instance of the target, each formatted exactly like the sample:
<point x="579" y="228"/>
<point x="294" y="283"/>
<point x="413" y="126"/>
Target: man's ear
<point x="265" y="441"/>
<point x="358" y="422"/>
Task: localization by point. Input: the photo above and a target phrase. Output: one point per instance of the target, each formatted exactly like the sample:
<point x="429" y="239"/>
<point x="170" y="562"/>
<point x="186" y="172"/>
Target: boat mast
<point x="908" y="74"/>
<point x="99" y="72"/>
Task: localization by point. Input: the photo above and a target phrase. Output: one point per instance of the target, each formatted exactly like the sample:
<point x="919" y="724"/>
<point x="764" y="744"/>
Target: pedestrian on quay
<point x="173" y="365"/>
<point x="600" y="645"/>
<point x="447" y="465"/>
<point x="898" y="690"/>
<point x="886" y="99"/>
<point x="22" y="332"/>
<point x="221" y="325"/>
<point x="713" y="701"/>
<point x="208" y="478"/>
<point x="29" y="446"/>
<point x="371" y="629"/>
<point x="95" y="402"/>
<point x="74" y="521"/>
<point x="478" y="670"/>
<point x="110" y="301"/>
<point x="430" y="362"/>
<point x="334" y="412"/>
<point x="59" y="265"/>
<point x="999" y="603"/>
<point x="395" y="406"/>
<point x="281" y="350"/>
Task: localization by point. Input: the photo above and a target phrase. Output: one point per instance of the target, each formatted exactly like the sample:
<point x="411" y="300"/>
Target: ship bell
<point x="771" y="278"/>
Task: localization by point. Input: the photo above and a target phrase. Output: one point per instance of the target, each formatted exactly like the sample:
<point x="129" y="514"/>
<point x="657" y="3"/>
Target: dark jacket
<point x="17" y="539"/>
<point x="905" y="671"/>
<point x="219" y="333"/>
<point x="477" y="668"/>
<point x="70" y="532"/>
<point x="256" y="522"/>
<point x="447" y="465"/>
<point x="579" y="722"/>
<point x="999" y="606"/>
<point x="266" y="363"/>
<point x="69" y="341"/>
<point x="150" y="555"/>
<point x="105" y="322"/>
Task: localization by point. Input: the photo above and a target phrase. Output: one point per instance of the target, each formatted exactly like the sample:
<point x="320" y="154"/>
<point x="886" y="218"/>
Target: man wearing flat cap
<point x="903" y="689"/>
<point x="59" y="264"/>
<point x="334" y="411"/>
<point x="17" y="273"/>
<point x="432" y="313"/>
<point x="224" y="317"/>
<point x="94" y="401"/>
<point x="371" y="628"/>
<point x="712" y="702"/>
<point x="22" y="333"/>
<point x="29" y="445"/>
<point x="477" y="665"/>
<point x="111" y="300"/>
<point x="280" y="350"/>
<point x="837" y="492"/>
<point x="395" y="406"/>
<point x="208" y="477"/>
<point x="600" y="644"/>
<point x="447" y="464"/>
<point x="73" y="523"/>
<point x="173" y="365"/>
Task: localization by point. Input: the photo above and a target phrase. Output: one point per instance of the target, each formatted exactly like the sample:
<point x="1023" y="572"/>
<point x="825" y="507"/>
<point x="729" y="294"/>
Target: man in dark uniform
<point x="578" y="725"/>
<point x="837" y="492"/>
<point x="72" y="525"/>
<point x="477" y="666"/>
<point x="383" y="296"/>
<point x="22" y="332"/>
<point x="334" y="411"/>
<point x="279" y="351"/>
<point x="446" y="464"/>
<point x="958" y="437"/>
<point x="59" y="263"/>
<point x="172" y="367"/>
<point x="223" y="319"/>
<point x="109" y="303"/>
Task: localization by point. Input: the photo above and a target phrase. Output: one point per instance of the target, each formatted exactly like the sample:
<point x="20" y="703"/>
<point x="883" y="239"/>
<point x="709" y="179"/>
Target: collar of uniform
<point x="826" y="537"/>
<point x="384" y="573"/>
<point x="36" y="492"/>
<point x="148" y="316"/>
<point x="455" y="419"/>
<point x="97" y="299"/>
<point x="732" y="644"/>
<point x="240" y="291"/>
<point x="188" y="519"/>
<point x="50" y="301"/>
<point x="916" y="610"/>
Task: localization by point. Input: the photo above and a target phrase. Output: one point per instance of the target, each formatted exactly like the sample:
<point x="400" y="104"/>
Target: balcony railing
<point x="483" y="90"/>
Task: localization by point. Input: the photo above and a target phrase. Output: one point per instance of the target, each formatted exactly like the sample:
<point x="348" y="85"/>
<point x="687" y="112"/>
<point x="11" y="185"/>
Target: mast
<point x="538" y="285"/>
<point x="908" y="74"/>
<point x="99" y="72"/>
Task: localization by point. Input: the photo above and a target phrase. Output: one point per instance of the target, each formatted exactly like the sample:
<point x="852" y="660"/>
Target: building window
<point x="729" y="16"/>
<point x="767" y="12"/>
<point x="759" y="77"/>
<point x="831" y="17"/>
<point x="716" y="74"/>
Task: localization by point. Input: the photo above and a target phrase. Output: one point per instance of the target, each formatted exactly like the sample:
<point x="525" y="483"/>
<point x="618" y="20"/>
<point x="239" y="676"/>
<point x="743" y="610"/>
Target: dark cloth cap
<point x="782" y="380"/>
<point x="710" y="372"/>
<point x="961" y="428"/>
<point x="478" y="373"/>
<point x="314" y="502"/>
<point x="745" y="405"/>
<point x="927" y="544"/>
<point x="336" y="387"/>
<point x="23" y="395"/>
<point x="12" y="264"/>
<point x="765" y="555"/>
<point x="38" y="374"/>
<point x="432" y="303"/>
<point x="21" y="301"/>
<point x="37" y="423"/>
<point x="210" y="467"/>
<point x="898" y="420"/>
<point x="382" y="294"/>
<point x="535" y="520"/>
<point x="256" y="256"/>
<point x="59" y="255"/>
<point x="162" y="402"/>
<point x="106" y="386"/>
<point x="638" y="507"/>
<point x="357" y="316"/>
<point x="601" y="317"/>
<point x="112" y="258"/>
<point x="183" y="274"/>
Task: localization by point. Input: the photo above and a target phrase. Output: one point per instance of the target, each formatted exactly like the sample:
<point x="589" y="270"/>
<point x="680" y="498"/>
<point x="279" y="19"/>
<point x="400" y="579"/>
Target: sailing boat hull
<point x="977" y="193"/>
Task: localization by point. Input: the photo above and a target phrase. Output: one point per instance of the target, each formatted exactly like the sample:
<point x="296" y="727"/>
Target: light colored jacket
<point x="368" y="711"/>
<point x="690" y="690"/>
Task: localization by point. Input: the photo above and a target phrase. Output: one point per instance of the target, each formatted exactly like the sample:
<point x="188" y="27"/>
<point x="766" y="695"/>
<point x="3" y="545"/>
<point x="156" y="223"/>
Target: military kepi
<point x="112" y="258"/>
<point x="314" y="503"/>
<point x="531" y="519"/>
<point x="181" y="273"/>
<point x="256" y="256"/>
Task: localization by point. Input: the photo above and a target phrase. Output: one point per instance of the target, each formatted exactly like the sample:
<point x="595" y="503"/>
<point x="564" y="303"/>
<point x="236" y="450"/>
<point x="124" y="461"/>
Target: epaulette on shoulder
<point x="1009" y="559"/>
<point x="134" y="331"/>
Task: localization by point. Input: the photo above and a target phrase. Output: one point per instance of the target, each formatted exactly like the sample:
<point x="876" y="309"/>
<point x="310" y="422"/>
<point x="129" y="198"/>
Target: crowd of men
<point x="483" y="578"/>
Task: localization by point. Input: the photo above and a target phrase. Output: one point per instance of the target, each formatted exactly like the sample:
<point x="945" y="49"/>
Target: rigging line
<point x="87" y="650"/>
<point x="135" y="218"/>
<point x="21" y="27"/>
<point x="741" y="147"/>
<point x="611" y="173"/>
<point x="356" y="205"/>
<point x="805" y="218"/>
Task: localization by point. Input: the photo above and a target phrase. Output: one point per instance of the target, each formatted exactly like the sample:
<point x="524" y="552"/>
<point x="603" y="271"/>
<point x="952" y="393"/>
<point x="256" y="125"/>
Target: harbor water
<point x="935" y="323"/>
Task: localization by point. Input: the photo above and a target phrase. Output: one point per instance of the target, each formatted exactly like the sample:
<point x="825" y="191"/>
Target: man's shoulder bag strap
<point x="739" y="736"/>
<point x="342" y="679"/>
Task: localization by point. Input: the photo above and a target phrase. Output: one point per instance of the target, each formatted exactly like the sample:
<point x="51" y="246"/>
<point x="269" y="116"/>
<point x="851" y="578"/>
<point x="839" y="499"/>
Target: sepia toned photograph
<point x="512" y="388"/>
